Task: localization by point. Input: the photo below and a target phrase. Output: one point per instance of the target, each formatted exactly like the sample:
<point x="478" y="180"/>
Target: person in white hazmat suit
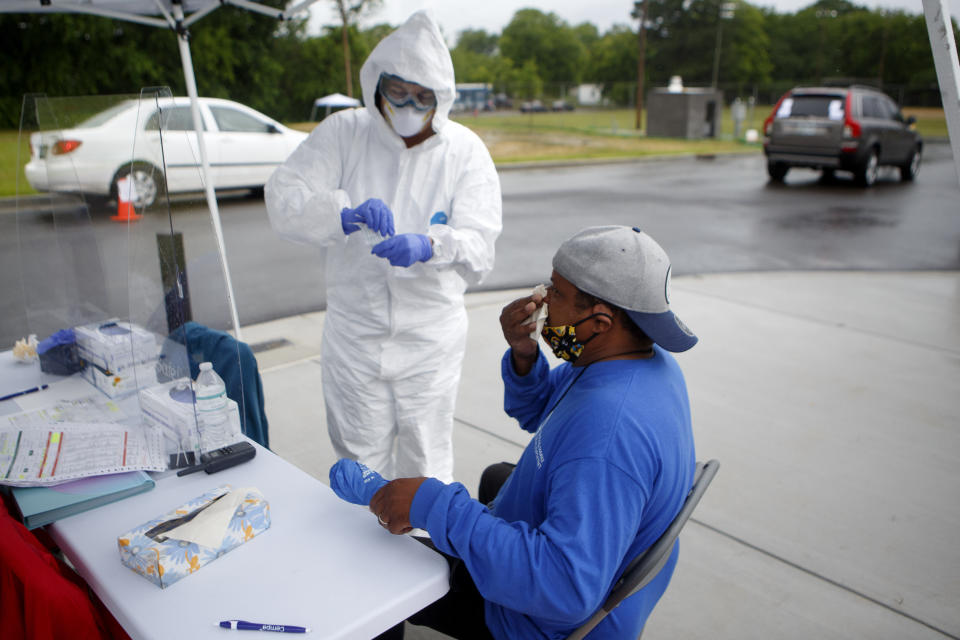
<point x="395" y="329"/>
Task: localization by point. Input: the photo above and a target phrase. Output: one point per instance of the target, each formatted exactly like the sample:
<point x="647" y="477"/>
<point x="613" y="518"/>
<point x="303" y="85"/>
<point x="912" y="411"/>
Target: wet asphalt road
<point x="710" y="214"/>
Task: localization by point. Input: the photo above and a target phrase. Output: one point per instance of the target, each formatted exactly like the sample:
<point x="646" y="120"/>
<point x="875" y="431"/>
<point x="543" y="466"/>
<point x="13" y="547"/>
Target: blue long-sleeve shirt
<point x="606" y="472"/>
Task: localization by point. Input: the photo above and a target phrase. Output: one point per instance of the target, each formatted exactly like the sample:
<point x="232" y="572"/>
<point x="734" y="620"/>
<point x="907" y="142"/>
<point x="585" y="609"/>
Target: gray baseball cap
<point x="626" y="267"/>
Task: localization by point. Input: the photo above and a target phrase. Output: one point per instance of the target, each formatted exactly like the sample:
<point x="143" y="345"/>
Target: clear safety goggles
<point x="401" y="93"/>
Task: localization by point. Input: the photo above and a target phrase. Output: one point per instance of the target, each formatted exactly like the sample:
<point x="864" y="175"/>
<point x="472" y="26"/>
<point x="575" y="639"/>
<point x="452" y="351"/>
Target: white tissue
<point x="25" y="350"/>
<point x="210" y="526"/>
<point x="540" y="315"/>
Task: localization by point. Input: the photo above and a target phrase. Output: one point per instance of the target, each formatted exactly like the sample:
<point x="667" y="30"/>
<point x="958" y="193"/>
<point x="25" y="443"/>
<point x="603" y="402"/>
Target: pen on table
<point x="243" y="625"/>
<point x="10" y="396"/>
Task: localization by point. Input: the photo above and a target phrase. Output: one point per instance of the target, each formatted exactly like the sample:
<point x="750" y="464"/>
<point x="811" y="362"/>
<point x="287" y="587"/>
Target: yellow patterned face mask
<point x="562" y="339"/>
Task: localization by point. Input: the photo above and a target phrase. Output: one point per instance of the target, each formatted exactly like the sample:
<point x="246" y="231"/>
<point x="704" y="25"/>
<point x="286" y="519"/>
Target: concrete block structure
<point x="689" y="112"/>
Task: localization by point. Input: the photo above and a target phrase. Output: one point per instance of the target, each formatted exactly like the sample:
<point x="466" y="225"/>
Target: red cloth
<point x="41" y="597"/>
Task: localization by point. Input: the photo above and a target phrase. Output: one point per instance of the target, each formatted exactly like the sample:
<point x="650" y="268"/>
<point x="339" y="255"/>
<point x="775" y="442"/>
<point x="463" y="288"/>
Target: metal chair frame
<point x="648" y="564"/>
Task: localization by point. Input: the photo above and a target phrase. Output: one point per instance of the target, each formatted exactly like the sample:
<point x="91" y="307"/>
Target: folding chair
<point x="647" y="565"/>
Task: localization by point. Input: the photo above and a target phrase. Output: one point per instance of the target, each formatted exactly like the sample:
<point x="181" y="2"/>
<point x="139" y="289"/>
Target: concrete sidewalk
<point x="832" y="401"/>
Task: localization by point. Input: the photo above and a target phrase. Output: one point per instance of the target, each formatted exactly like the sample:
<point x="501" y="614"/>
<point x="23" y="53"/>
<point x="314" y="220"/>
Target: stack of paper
<point x="43" y="505"/>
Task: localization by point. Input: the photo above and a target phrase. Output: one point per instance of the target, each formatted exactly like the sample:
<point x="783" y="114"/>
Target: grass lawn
<point x="512" y="137"/>
<point x="10" y="165"/>
<point x="931" y="123"/>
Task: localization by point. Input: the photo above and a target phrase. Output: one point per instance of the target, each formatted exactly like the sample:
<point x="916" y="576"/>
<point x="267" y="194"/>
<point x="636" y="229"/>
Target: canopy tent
<point x="333" y="101"/>
<point x="177" y="15"/>
<point x="944" y="48"/>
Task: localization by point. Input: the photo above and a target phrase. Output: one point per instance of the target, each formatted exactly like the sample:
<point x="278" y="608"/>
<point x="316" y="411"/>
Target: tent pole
<point x="940" y="30"/>
<point x="191" y="81"/>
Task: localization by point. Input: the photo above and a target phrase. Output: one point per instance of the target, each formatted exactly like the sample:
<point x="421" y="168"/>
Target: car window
<point x="816" y="105"/>
<point x="101" y="117"/>
<point x="876" y="107"/>
<point x="172" y="119"/>
<point x="893" y="111"/>
<point x="233" y="120"/>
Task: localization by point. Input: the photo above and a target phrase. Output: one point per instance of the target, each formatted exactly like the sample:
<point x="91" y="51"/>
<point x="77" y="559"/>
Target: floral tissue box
<point x="163" y="560"/>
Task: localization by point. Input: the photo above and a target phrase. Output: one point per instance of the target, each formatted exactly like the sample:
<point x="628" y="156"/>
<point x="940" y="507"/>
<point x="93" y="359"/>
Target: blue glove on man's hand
<point x="374" y="213"/>
<point x="354" y="482"/>
<point x="404" y="249"/>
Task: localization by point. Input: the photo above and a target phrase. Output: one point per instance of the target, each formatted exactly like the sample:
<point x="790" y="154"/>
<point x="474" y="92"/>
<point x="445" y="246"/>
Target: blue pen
<point x="243" y="625"/>
<point x="23" y="393"/>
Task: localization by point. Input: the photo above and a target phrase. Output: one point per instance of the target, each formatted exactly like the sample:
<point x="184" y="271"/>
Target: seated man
<point x="607" y="470"/>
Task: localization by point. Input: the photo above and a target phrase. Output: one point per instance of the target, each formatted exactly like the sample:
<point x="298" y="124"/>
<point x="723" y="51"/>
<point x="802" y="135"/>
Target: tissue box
<point x="163" y="563"/>
<point x="124" y="380"/>
<point x="169" y="407"/>
<point x="120" y="356"/>
<point x="114" y="346"/>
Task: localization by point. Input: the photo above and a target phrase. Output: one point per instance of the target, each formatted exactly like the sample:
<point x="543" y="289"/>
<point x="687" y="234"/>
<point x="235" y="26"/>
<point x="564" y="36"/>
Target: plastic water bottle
<point x="211" y="390"/>
<point x="211" y="394"/>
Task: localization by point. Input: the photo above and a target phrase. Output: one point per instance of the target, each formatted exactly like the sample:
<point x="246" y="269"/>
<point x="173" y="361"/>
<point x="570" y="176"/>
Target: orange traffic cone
<point x="126" y="190"/>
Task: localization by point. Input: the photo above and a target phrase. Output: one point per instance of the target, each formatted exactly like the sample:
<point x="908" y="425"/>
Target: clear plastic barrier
<point x="119" y="250"/>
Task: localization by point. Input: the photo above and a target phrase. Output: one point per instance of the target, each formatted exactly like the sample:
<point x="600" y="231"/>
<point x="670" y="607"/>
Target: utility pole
<point x="640" y="13"/>
<point x="345" y="19"/>
<point x="725" y="11"/>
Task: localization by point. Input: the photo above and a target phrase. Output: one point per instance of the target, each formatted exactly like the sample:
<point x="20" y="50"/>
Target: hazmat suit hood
<point x="416" y="52"/>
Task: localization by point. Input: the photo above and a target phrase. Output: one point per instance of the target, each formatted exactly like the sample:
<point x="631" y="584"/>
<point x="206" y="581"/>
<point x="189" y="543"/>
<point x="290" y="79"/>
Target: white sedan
<point x="139" y="138"/>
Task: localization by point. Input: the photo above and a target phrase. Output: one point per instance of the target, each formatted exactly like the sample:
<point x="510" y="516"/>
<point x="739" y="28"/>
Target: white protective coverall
<point x="394" y="337"/>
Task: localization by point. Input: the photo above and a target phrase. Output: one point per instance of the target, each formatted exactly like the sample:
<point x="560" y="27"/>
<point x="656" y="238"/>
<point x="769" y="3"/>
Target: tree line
<point x="280" y="68"/>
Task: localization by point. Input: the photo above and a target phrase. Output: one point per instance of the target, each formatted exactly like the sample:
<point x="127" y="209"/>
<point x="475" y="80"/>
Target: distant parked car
<point x="561" y="105"/>
<point x="533" y="106"/>
<point x="243" y="148"/>
<point x="855" y="129"/>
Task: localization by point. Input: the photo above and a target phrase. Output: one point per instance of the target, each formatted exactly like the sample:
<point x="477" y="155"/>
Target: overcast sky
<point x="492" y="15"/>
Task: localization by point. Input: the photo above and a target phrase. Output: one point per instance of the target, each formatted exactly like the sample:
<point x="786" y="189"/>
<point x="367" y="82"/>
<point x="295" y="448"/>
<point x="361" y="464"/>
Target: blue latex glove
<point x="374" y="213"/>
<point x="64" y="336"/>
<point x="404" y="249"/>
<point x="354" y="482"/>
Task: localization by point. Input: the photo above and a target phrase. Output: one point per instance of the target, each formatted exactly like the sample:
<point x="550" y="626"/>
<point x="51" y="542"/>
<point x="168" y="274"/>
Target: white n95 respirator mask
<point x="406" y="121"/>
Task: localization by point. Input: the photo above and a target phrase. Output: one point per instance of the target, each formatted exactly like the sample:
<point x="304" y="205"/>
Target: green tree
<point x="907" y="57"/>
<point x="547" y="41"/>
<point x="792" y="44"/>
<point x="588" y="34"/>
<point x="745" y="54"/>
<point x="470" y="66"/>
<point x="474" y="56"/>
<point x="280" y="70"/>
<point x="245" y="70"/>
<point x="613" y="62"/>
<point x="680" y="40"/>
<point x="294" y="90"/>
<point x="105" y="55"/>
<point x="478" y="41"/>
<point x="526" y="81"/>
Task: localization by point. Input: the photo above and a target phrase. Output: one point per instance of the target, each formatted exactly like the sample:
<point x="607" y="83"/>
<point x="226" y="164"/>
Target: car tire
<point x="910" y="169"/>
<point x="869" y="169"/>
<point x="149" y="183"/>
<point x="777" y="171"/>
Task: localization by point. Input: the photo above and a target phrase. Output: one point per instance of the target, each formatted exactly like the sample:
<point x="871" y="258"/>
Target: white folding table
<point x="323" y="563"/>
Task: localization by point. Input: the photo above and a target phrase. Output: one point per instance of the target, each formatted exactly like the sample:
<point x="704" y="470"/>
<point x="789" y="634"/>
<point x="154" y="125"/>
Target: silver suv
<point x="855" y="129"/>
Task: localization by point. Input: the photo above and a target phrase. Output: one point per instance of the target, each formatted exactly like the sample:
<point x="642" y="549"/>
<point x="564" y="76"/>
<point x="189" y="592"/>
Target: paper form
<point x="52" y="453"/>
<point x="89" y="410"/>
